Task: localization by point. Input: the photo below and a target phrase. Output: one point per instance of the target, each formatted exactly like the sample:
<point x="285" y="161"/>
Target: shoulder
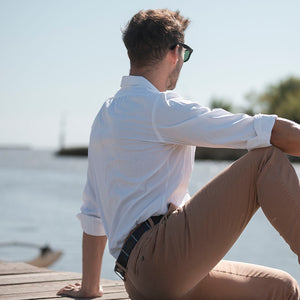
<point x="172" y="102"/>
<point x="175" y="99"/>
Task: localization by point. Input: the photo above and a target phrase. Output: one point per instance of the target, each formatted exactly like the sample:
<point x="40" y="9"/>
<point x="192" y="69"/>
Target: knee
<point x="286" y="287"/>
<point x="268" y="152"/>
<point x="271" y="156"/>
<point x="293" y="288"/>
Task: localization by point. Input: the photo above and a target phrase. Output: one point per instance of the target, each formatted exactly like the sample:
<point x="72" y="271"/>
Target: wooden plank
<point x="38" y="277"/>
<point x="7" y="268"/>
<point x="52" y="276"/>
<point x="114" y="292"/>
<point x="110" y="292"/>
<point x="20" y="281"/>
<point x="50" y="296"/>
<point x="40" y="287"/>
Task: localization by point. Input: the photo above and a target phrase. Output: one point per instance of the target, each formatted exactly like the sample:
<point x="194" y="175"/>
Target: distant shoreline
<point x="201" y="153"/>
<point x="14" y="147"/>
<point x="72" y="151"/>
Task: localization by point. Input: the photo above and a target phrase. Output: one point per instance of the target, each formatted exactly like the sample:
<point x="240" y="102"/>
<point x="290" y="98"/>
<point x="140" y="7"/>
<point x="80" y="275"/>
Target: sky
<point x="61" y="59"/>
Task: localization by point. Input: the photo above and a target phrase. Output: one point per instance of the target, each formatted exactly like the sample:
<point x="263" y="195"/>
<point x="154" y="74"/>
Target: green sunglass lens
<point x="186" y="55"/>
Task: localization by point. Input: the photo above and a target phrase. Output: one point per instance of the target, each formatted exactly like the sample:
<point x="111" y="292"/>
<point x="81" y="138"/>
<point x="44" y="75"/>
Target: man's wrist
<point x="91" y="291"/>
<point x="90" y="288"/>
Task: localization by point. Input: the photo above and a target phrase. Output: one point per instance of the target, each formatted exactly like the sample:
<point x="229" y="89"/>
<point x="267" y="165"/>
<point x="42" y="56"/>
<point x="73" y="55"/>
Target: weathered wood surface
<point x="20" y="281"/>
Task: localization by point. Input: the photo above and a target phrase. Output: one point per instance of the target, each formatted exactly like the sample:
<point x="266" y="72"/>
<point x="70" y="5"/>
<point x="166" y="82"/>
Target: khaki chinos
<point x="181" y="257"/>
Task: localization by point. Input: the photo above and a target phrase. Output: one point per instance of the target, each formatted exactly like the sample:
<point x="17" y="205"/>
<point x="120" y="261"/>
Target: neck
<point x="155" y="75"/>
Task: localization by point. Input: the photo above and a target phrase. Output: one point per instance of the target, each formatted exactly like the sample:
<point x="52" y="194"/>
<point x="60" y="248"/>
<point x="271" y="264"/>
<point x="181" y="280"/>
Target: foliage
<point x="282" y="99"/>
<point x="221" y="103"/>
<point x="252" y="107"/>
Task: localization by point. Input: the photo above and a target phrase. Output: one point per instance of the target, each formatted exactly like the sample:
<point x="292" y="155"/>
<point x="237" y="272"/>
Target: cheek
<point x="182" y="55"/>
<point x="179" y="66"/>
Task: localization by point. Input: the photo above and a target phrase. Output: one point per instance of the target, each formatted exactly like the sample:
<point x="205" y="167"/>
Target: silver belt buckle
<point x="119" y="272"/>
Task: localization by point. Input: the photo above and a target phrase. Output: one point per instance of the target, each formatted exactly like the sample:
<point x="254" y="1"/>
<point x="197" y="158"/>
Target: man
<point x="168" y="245"/>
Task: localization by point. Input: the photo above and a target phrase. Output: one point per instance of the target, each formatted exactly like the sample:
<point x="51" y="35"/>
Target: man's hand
<point x="92" y="254"/>
<point x="75" y="290"/>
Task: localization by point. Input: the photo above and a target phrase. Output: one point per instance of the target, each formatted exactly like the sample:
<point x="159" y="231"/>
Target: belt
<point x="121" y="263"/>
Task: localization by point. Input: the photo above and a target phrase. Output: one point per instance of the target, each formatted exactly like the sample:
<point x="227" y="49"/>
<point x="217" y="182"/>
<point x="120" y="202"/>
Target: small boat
<point x="46" y="257"/>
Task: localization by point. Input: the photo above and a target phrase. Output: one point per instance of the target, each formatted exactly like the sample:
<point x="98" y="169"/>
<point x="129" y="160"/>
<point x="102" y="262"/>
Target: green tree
<point x="220" y="103"/>
<point x="282" y="99"/>
<point x="252" y="107"/>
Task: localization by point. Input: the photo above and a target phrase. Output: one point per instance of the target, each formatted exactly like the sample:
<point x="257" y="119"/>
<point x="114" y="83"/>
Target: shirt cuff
<point x="263" y="125"/>
<point x="91" y="225"/>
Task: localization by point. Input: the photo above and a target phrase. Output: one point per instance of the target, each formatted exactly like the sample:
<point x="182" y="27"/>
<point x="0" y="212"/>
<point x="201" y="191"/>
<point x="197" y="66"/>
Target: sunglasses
<point x="187" y="51"/>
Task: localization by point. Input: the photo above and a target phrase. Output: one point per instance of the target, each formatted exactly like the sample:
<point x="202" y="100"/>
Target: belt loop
<point x="150" y="221"/>
<point x="171" y="208"/>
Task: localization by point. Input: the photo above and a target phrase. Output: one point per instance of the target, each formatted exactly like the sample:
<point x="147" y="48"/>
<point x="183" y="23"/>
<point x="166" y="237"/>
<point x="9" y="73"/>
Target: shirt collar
<point x="137" y="80"/>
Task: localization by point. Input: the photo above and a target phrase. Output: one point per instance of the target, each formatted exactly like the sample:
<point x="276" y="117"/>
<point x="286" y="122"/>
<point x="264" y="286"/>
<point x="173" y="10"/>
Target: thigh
<point x="236" y="281"/>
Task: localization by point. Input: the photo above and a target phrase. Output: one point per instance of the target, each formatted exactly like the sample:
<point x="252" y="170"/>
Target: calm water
<point x="41" y="195"/>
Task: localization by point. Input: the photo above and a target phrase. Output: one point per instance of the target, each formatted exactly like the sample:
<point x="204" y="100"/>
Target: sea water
<point x="40" y="195"/>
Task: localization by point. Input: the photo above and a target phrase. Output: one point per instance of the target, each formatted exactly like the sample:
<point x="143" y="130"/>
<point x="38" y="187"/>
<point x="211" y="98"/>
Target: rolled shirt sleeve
<point x="89" y="216"/>
<point x="91" y="225"/>
<point x="263" y="125"/>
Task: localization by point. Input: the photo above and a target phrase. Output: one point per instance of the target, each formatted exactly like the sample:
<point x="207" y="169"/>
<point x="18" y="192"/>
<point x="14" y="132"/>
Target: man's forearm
<point x="286" y="136"/>
<point x="92" y="254"/>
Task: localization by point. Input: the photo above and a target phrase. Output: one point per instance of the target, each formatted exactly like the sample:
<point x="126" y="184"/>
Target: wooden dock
<point x="21" y="281"/>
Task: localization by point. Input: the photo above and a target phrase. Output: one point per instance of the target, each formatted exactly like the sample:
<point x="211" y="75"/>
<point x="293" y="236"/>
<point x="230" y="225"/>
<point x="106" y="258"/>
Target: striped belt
<point x="121" y="263"/>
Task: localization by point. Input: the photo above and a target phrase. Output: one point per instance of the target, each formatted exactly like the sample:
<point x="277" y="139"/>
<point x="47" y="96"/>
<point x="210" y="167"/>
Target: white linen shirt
<point x="141" y="154"/>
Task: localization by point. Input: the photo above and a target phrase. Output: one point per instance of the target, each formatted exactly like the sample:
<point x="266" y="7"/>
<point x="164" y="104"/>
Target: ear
<point x="173" y="55"/>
